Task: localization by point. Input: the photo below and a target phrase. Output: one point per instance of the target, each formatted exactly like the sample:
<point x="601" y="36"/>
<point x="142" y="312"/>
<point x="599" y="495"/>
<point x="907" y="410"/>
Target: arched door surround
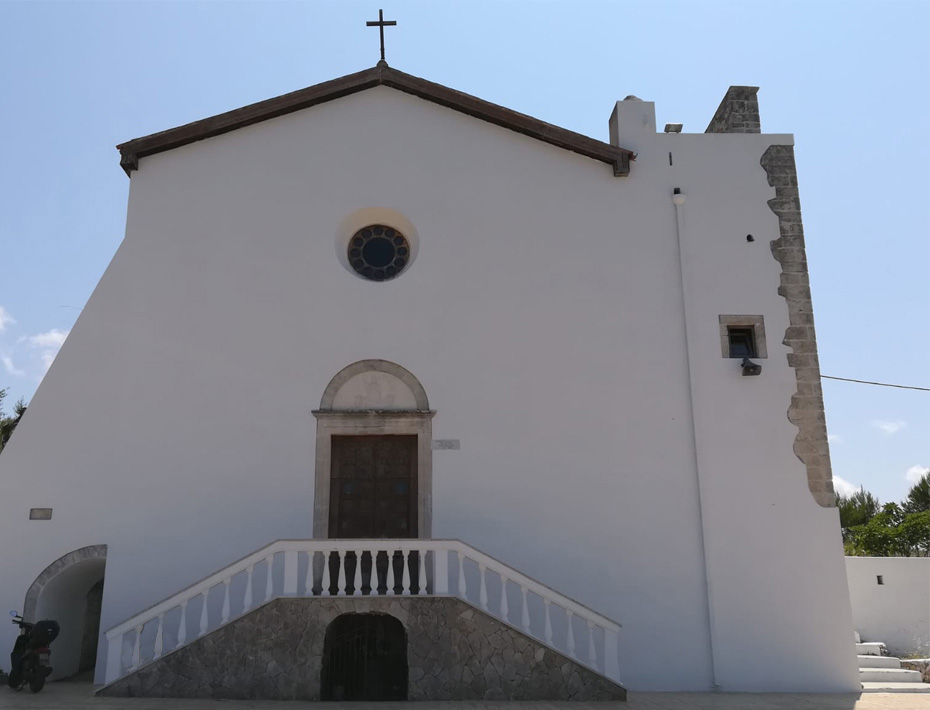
<point x="373" y="398"/>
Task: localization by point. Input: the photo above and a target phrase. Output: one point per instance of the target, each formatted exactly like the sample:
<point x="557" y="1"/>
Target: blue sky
<point x="851" y="80"/>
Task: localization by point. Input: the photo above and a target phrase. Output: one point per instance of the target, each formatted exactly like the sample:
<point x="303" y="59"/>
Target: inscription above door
<point x="373" y="489"/>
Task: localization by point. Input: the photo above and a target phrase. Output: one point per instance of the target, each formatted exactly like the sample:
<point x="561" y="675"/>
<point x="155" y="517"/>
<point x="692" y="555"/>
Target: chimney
<point x="738" y="112"/>
<point x="632" y="123"/>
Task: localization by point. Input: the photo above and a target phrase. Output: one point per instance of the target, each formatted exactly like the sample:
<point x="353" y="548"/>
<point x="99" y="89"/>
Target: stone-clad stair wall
<point x="454" y="652"/>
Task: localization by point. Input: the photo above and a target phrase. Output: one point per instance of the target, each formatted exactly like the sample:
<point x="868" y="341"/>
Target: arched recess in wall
<point x="70" y="591"/>
<point x="383" y="401"/>
<point x="347" y="664"/>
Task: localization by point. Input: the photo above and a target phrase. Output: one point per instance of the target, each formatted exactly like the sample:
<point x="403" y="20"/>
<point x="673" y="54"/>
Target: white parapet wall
<point x="891" y="602"/>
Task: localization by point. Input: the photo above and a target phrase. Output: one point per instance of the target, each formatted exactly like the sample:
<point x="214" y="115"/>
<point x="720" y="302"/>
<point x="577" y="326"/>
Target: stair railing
<point x="313" y="568"/>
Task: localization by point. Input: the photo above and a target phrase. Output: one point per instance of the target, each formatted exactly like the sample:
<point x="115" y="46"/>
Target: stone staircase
<point x="881" y="673"/>
<point x="369" y="577"/>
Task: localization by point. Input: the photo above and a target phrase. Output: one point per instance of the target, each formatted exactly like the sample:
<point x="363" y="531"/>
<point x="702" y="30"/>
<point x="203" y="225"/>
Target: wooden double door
<point x="373" y="489"/>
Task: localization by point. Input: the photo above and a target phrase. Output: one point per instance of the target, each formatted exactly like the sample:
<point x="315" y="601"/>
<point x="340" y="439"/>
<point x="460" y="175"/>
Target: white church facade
<point x="540" y="413"/>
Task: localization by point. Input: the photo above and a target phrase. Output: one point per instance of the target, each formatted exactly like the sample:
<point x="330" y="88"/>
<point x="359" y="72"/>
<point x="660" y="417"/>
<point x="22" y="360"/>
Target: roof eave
<point x="131" y="151"/>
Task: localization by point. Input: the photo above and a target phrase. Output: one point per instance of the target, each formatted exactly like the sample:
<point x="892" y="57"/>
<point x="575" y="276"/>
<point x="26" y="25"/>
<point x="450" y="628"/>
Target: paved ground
<point x="79" y="696"/>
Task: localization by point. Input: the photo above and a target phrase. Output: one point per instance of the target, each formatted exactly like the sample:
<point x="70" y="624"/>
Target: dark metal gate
<point x="364" y="658"/>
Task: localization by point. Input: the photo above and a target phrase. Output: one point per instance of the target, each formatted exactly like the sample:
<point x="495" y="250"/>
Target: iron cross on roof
<point x="381" y="24"/>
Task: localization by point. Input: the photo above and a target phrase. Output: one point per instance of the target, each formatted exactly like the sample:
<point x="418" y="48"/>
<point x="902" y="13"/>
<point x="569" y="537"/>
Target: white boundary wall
<point x="897" y="611"/>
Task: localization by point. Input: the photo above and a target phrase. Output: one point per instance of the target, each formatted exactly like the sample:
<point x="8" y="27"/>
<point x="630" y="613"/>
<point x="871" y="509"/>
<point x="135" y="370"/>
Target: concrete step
<point x="896" y="687"/>
<point x="879" y="662"/>
<point x="873" y="648"/>
<point x="889" y="675"/>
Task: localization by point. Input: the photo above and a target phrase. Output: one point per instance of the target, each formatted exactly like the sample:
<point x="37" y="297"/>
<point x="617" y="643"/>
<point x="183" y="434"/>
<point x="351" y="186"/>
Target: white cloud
<point x="48" y="357"/>
<point x="915" y="473"/>
<point x="834" y="438"/>
<point x="10" y="367"/>
<point x="843" y="487"/>
<point x="52" y="339"/>
<point x="50" y="343"/>
<point x="889" y="427"/>
<point x="5" y="319"/>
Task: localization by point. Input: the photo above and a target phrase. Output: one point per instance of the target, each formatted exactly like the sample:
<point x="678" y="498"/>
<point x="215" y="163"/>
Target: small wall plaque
<point x="40" y="513"/>
<point x="446" y="444"/>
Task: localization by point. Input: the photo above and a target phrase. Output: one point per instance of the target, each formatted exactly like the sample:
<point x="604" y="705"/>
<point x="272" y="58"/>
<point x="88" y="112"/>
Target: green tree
<point x="857" y="509"/>
<point x="918" y="499"/>
<point x="8" y="424"/>
<point x="891" y="533"/>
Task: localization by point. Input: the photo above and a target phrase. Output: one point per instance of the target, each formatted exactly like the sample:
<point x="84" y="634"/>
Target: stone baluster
<point x="182" y="626"/>
<point x="462" y="589"/>
<point x="137" y="649"/>
<point x="269" y="578"/>
<point x="592" y="650"/>
<point x="389" y="578"/>
<point x="405" y="588"/>
<point x="440" y="584"/>
<point x="504" y="605"/>
<point x="525" y="616"/>
<point x="422" y="581"/>
<point x="546" y="603"/>
<point x="327" y="582"/>
<point x="159" y="637"/>
<point x="357" y="583"/>
<point x="483" y="593"/>
<point x="203" y="612"/>
<point x="570" y="633"/>
<point x="341" y="581"/>
<point x="247" y="600"/>
<point x="225" y="616"/>
<point x="289" y="584"/>
<point x="308" y="582"/>
<point x="611" y="655"/>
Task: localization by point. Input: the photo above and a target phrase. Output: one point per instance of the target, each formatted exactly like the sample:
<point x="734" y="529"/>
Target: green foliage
<point x="918" y="499"/>
<point x="896" y="530"/>
<point x="8" y="424"/>
<point x="891" y="533"/>
<point x="857" y="509"/>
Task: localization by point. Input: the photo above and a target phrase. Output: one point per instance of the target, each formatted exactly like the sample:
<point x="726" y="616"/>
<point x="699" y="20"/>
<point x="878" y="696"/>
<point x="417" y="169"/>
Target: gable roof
<point x="131" y="151"/>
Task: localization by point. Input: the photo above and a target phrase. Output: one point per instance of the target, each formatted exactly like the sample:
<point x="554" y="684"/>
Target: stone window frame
<point x="372" y="422"/>
<point x="757" y="323"/>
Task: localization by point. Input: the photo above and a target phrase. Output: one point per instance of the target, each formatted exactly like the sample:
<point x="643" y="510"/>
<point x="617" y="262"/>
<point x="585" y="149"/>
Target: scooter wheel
<point x="15" y="680"/>
<point x="37" y="682"/>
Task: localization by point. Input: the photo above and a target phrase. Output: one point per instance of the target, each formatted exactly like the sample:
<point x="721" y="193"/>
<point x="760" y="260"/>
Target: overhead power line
<point x="879" y="384"/>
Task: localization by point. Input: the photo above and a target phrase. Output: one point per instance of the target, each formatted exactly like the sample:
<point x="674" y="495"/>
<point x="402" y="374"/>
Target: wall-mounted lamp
<point x="750" y="368"/>
<point x="673" y="127"/>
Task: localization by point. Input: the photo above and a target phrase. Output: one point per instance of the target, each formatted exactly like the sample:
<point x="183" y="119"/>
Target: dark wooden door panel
<point x="373" y="491"/>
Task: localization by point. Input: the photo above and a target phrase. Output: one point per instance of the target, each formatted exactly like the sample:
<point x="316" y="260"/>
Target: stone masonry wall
<point x="738" y="112"/>
<point x="806" y="409"/>
<point x="454" y="652"/>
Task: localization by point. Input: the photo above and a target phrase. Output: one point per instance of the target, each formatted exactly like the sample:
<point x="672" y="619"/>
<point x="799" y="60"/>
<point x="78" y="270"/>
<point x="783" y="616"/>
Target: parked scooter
<point x="31" y="657"/>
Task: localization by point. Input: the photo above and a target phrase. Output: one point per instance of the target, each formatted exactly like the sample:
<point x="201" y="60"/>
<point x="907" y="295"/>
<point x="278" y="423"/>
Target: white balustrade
<point x="357" y="583"/>
<point x="570" y="635"/>
<point x="203" y="613"/>
<point x="341" y="584"/>
<point x="247" y="599"/>
<point x="159" y="637"/>
<point x="483" y="594"/>
<point x="504" y="608"/>
<point x="425" y="567"/>
<point x="225" y="616"/>
<point x="269" y="578"/>
<point x="391" y="583"/>
<point x="182" y="625"/>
